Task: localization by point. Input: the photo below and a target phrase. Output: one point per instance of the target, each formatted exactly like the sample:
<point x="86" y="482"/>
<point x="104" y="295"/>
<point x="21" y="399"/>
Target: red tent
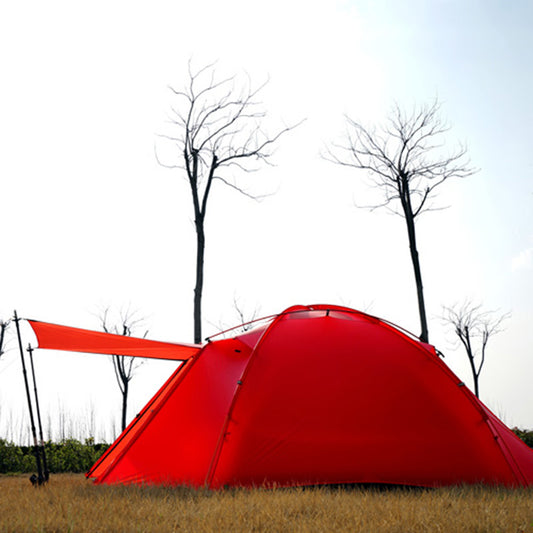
<point x="319" y="394"/>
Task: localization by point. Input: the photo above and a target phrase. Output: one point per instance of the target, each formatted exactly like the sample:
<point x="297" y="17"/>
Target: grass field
<point x="70" y="503"/>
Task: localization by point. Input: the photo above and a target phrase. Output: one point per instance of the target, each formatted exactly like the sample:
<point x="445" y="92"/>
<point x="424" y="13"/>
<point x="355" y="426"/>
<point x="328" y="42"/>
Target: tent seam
<point x="223" y="432"/>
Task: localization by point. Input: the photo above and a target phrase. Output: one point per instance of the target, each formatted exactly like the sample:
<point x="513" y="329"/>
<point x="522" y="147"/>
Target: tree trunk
<point x="476" y="386"/>
<point x="475" y="375"/>
<point x="470" y="353"/>
<point x="200" y="247"/>
<point x="124" y="405"/>
<point x="409" y="220"/>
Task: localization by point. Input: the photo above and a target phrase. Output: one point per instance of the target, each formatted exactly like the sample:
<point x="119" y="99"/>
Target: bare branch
<point x="406" y="146"/>
<point x="246" y="318"/>
<point x="238" y="189"/>
<point x="164" y="164"/>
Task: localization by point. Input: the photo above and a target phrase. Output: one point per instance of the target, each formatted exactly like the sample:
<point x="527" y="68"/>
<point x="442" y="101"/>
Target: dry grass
<point x="70" y="503"/>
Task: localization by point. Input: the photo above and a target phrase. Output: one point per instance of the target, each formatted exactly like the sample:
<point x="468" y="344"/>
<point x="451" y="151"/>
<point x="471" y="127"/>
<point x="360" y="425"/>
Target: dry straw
<point x="70" y="503"/>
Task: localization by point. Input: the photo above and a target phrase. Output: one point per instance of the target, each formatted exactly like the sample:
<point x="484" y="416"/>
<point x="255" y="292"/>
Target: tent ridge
<point x="254" y="321"/>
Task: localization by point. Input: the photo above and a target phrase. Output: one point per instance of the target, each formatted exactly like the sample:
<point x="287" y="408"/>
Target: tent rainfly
<point x="315" y="395"/>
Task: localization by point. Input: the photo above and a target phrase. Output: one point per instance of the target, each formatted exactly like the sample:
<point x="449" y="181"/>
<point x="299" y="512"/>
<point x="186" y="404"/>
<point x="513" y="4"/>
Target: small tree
<point x="406" y="165"/>
<point x="473" y="328"/>
<point x="217" y="132"/>
<point x="124" y="366"/>
<point x="245" y="317"/>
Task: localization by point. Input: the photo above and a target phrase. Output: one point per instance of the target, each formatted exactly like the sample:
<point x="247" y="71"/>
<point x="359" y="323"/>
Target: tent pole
<point x="40" y="478"/>
<point x="37" y="408"/>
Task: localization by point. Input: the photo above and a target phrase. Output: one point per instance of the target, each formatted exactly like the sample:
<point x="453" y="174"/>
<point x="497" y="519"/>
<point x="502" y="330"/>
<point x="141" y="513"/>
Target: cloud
<point x="522" y="261"/>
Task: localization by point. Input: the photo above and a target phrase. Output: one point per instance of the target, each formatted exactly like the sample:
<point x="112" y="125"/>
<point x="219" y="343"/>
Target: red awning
<point x="55" y="337"/>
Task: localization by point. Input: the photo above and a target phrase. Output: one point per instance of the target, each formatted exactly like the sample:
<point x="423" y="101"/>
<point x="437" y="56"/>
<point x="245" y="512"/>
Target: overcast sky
<point x="89" y="219"/>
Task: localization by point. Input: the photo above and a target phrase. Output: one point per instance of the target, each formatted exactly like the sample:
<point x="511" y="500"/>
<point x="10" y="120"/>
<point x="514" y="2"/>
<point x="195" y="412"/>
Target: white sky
<point x="90" y="220"/>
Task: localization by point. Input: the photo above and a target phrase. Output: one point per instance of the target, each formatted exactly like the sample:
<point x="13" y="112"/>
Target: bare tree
<point x="217" y="133"/>
<point x="124" y="366"/>
<point x="246" y="317"/>
<point x="406" y="163"/>
<point x="473" y="328"/>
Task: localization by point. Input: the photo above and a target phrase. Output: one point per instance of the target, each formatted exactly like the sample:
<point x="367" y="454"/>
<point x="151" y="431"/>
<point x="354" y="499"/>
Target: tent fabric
<point x="320" y="395"/>
<point x="56" y="337"/>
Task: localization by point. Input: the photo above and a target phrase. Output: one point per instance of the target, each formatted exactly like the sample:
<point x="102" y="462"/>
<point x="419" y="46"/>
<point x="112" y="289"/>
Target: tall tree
<point x="124" y="366"/>
<point x="405" y="161"/>
<point x="217" y="132"/>
<point x="473" y="328"/>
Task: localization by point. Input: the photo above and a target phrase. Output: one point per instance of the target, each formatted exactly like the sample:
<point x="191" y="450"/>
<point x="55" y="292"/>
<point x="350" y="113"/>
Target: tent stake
<point x="40" y="477"/>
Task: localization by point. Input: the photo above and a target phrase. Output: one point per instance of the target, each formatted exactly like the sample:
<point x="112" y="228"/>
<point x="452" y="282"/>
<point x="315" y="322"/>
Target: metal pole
<point x="45" y="465"/>
<point x="40" y="477"/>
